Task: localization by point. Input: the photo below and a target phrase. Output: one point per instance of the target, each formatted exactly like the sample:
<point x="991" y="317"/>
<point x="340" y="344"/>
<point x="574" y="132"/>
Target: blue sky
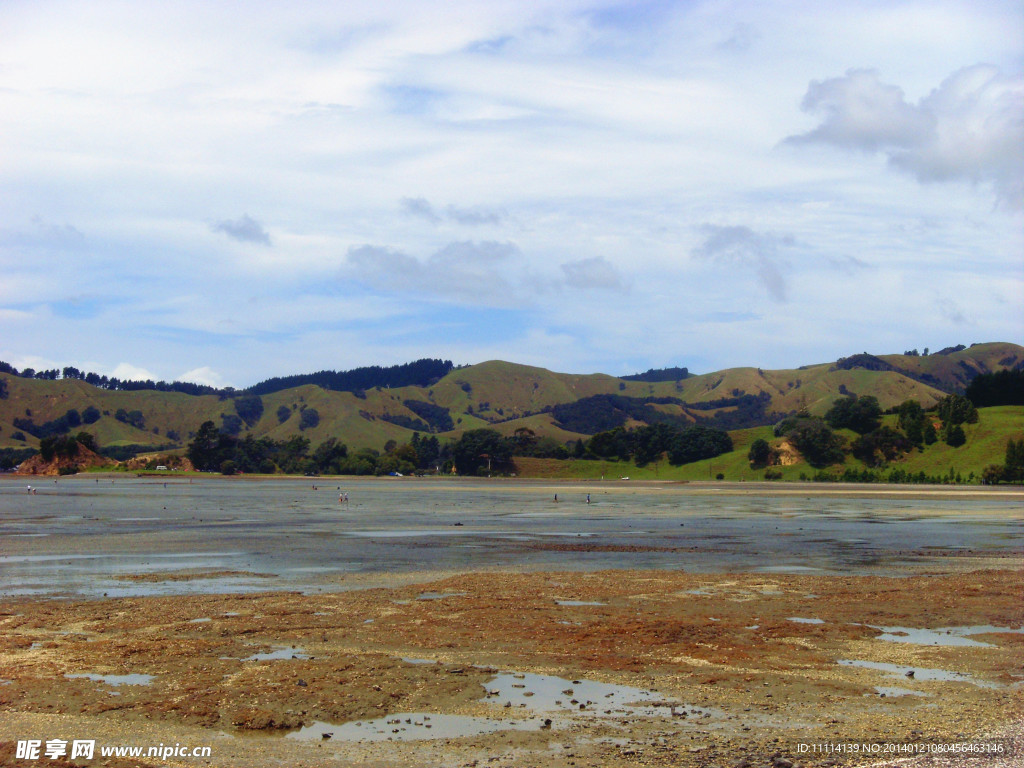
<point x="227" y="192"/>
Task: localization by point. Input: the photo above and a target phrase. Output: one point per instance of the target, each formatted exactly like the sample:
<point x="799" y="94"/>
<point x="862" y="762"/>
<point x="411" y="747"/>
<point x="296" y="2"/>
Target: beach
<point x="695" y="652"/>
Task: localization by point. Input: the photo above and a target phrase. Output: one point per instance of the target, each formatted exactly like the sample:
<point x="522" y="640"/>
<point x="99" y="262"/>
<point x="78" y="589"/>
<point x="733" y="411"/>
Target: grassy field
<point x="986" y="444"/>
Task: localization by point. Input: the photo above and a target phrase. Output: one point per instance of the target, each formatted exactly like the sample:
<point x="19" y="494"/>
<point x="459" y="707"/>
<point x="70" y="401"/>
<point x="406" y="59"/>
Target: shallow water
<point x="115" y="680"/>
<point x="81" y="537"/>
<point x="953" y="636"/>
<point x="920" y="673"/>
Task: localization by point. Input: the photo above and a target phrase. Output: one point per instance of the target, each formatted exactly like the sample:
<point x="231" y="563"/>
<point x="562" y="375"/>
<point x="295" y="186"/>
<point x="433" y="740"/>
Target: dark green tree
<point x="283" y="413"/>
<point x="956" y="409"/>
<point x="480" y="451"/>
<point x="1013" y="466"/>
<point x="861" y="415"/>
<point x="329" y="456"/>
<point x="760" y="453"/>
<point x="911" y="419"/>
<point x="205" y="450"/>
<point x="91" y="414"/>
<point x="249" y="408"/>
<point x="309" y="418"/>
<point x="880" y="447"/>
<point x="813" y="438"/>
<point x="955" y="436"/>
<point x="230" y="424"/>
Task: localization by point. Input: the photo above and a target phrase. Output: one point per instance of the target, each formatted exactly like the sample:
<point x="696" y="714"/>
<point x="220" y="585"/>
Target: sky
<point x="222" y="192"/>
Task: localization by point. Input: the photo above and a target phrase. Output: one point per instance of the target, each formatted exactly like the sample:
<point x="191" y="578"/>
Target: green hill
<point x="509" y="397"/>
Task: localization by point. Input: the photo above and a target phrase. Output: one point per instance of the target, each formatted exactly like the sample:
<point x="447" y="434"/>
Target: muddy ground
<point x="732" y="668"/>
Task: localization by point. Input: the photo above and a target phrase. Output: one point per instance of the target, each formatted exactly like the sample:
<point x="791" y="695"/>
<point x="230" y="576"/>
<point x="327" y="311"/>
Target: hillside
<point x="502" y="395"/>
<point x="986" y="445"/>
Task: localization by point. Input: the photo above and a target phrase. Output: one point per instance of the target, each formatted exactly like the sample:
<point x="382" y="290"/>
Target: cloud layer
<point x="969" y="128"/>
<point x="587" y="185"/>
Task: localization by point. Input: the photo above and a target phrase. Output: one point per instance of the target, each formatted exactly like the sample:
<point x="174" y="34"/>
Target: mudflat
<point x="898" y="648"/>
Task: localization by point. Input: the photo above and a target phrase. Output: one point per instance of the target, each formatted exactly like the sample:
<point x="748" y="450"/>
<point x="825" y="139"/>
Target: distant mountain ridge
<point x="367" y="407"/>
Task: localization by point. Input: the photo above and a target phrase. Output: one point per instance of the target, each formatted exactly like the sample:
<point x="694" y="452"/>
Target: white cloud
<point x="970" y="128"/>
<point x="204" y="375"/>
<point x="129" y="372"/>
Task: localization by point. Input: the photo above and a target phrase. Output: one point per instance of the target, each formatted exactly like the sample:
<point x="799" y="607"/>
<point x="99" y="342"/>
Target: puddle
<point x="412" y="727"/>
<point x="957" y="636"/>
<point x="439" y="595"/>
<point x="552" y="694"/>
<point x="579" y="602"/>
<point x="920" y="673"/>
<point x="417" y="661"/>
<point x="799" y="620"/>
<point x="884" y="690"/>
<point x="133" y="679"/>
<point x="280" y="653"/>
<point x="203" y="620"/>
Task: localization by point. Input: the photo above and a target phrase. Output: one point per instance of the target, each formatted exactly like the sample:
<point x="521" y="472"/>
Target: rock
<point x="302" y="683"/>
<point x="781" y="762"/>
<point x="910" y="673"/>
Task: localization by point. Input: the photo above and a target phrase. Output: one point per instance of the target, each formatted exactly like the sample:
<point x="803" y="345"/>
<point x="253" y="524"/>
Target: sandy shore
<point x="726" y="668"/>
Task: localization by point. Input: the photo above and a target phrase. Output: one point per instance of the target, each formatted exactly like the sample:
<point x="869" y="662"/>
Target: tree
<point x="283" y="414"/>
<point x="1013" y="466"/>
<point x="88" y="440"/>
<point x="3" y="389"/>
<point x="309" y="418"/>
<point x="880" y="446"/>
<point x="480" y="451"/>
<point x="956" y="409"/>
<point x="812" y="437"/>
<point x="862" y="415"/>
<point x="1000" y="388"/>
<point x="911" y="419"/>
<point x="91" y="414"/>
<point x="992" y="474"/>
<point x="329" y="456"/>
<point x="205" y="449"/>
<point x="696" y="443"/>
<point x="230" y="424"/>
<point x="760" y="453"/>
<point x="249" y="408"/>
<point x="955" y="436"/>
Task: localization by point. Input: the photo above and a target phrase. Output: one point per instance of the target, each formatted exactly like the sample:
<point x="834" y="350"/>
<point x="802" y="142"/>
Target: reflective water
<point x="957" y="636"/>
<point x="920" y="673"/>
<point x="83" y="537"/>
<point x="279" y="654"/>
<point x="132" y="679"/>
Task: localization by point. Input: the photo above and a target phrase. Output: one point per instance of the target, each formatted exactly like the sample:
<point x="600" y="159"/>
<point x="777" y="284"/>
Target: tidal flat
<point x="453" y="623"/>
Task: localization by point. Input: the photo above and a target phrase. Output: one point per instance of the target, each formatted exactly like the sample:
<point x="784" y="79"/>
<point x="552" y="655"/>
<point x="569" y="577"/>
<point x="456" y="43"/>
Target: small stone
<point x="302" y="683"/>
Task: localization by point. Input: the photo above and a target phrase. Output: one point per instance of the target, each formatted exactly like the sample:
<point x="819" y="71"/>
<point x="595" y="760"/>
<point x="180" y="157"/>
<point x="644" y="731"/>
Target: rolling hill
<point x="501" y="395"/>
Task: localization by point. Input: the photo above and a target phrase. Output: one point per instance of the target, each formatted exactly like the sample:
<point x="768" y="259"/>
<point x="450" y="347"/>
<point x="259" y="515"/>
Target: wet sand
<point x="718" y="666"/>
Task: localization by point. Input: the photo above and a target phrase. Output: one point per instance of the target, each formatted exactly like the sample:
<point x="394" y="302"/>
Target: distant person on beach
<point x="556" y="497"/>
<point x="588" y="498"/>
